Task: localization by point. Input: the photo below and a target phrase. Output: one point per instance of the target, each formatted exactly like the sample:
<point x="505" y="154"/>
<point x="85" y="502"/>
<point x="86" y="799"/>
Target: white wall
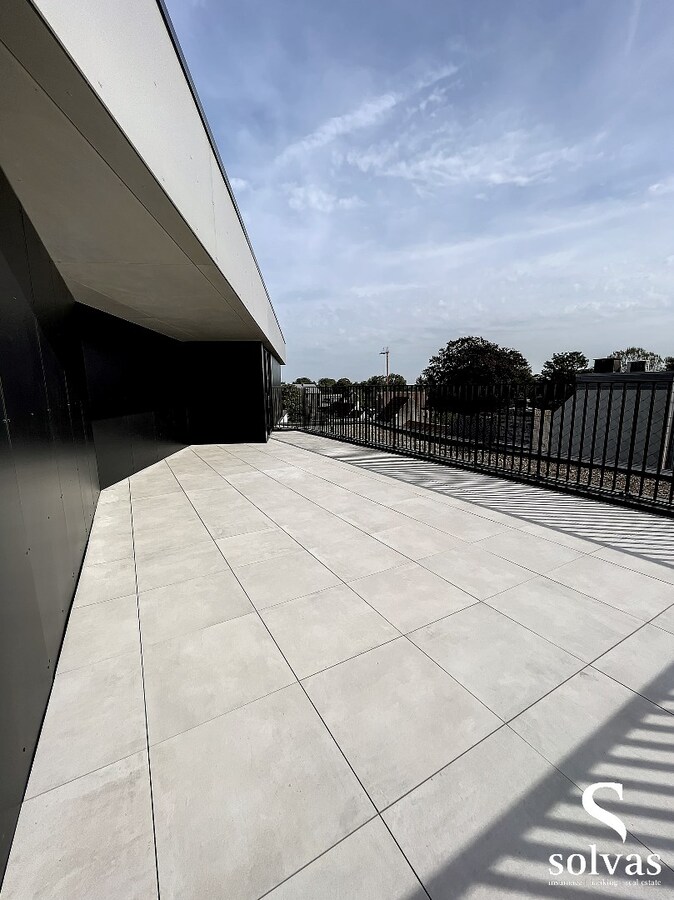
<point x="124" y="51"/>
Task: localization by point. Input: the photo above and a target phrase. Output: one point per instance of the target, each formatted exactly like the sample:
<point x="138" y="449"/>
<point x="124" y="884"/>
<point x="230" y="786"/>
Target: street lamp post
<point x="385" y="352"/>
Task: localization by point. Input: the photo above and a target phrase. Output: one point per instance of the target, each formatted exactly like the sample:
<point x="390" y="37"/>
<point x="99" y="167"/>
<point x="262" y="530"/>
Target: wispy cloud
<point x="421" y="176"/>
<point x="662" y="187"/>
<point x="303" y="197"/>
<point x="363" y="116"/>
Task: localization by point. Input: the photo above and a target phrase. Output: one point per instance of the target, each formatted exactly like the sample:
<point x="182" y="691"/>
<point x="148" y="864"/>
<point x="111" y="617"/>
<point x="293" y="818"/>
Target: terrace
<point x="305" y="669"/>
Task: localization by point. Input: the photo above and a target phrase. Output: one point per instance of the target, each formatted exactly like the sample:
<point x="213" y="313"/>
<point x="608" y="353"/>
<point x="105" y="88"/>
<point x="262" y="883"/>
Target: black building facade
<point x="86" y="399"/>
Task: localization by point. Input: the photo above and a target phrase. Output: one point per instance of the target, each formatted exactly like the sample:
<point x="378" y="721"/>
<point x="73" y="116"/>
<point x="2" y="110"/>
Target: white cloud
<point x="367" y="114"/>
<point x="239" y="184"/>
<point x="455" y="156"/>
<point x="303" y="197"/>
<point x="662" y="187"/>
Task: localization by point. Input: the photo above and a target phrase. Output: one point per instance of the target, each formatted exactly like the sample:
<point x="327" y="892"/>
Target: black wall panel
<point x="226" y="385"/>
<point x="137" y="397"/>
<point x="48" y="490"/>
<point x="86" y="399"/>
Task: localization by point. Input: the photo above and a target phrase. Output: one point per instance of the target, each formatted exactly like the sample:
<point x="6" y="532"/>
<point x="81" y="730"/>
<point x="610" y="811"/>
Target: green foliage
<point x="565" y="365"/>
<point x="291" y="398"/>
<point x="303" y="380"/>
<point x="326" y="384"/>
<point x="380" y="381"/>
<point x="654" y="362"/>
<point x="669" y="364"/>
<point x="343" y="386"/>
<point x="475" y="360"/>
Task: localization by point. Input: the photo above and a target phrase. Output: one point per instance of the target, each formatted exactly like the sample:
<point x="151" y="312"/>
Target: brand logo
<point x="595" y="863"/>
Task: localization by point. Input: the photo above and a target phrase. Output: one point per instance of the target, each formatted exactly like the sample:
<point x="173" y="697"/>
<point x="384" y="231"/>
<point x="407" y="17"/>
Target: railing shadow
<point x="510" y="857"/>
<point x="642" y="534"/>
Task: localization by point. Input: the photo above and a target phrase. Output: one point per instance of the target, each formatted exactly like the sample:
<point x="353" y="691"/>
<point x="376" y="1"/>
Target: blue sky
<point x="410" y="172"/>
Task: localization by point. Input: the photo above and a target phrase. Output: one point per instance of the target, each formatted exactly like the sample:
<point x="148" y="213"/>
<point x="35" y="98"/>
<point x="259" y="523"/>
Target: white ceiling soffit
<point x="104" y="145"/>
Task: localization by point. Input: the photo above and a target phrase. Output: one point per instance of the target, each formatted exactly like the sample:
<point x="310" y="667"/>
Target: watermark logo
<point x="603" y="815"/>
<point x="632" y="865"/>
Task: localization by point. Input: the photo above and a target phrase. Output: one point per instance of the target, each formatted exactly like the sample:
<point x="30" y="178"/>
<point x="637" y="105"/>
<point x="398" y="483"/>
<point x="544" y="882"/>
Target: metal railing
<point x="610" y="437"/>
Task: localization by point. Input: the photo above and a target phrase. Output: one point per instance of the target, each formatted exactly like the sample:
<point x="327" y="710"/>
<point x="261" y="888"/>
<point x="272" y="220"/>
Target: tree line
<point x="476" y="360"/>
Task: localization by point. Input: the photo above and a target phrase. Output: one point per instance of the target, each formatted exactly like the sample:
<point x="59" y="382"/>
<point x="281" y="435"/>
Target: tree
<point x="669" y="364"/>
<point x="303" y="380"/>
<point x="565" y="365"/>
<point x="380" y="381"/>
<point x="343" y="386"/>
<point x="291" y="399"/>
<point x="475" y="360"/>
<point x="654" y="362"/>
<point x="326" y="384"/>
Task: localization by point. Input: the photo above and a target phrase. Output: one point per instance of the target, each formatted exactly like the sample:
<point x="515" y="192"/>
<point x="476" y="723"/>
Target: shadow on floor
<point x="510" y="858"/>
<point x="642" y="534"/>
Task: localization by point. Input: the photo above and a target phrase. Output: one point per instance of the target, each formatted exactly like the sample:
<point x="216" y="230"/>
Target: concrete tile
<point x="529" y="551"/>
<point x="284" y="578"/>
<point x="644" y="566"/>
<point x="201" y="480"/>
<point x="397" y="717"/>
<point x="109" y="546"/>
<point x="503" y="664"/>
<point x="633" y="593"/>
<point x="90" y="839"/>
<point x="593" y="729"/>
<point x="177" y="609"/>
<point x="241" y="549"/>
<point x="388" y="491"/>
<point x="356" y="556"/>
<point x="485" y="826"/>
<point x="449" y="519"/>
<point x="226" y="521"/>
<point x="322" y="629"/>
<point x="105" y="581"/>
<point x="416" y="540"/>
<point x="153" y="511"/>
<point x="179" y="565"/>
<point x="370" y="517"/>
<point x="575" y="622"/>
<point x="557" y="536"/>
<point x="155" y="482"/>
<point x="666" y="620"/>
<point x="100" y="631"/>
<point x="477" y="572"/>
<point x="642" y="662"/>
<point x="364" y="866"/>
<point x="173" y="535"/>
<point x="270" y="782"/>
<point x="206" y="673"/>
<point x="410" y="596"/>
<point x="95" y="717"/>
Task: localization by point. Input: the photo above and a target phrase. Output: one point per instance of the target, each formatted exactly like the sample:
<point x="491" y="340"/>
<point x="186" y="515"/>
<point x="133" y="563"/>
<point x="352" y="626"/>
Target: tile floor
<point x="288" y="676"/>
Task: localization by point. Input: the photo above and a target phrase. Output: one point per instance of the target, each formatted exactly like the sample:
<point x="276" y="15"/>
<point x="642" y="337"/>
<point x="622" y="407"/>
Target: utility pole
<point x="385" y="352"/>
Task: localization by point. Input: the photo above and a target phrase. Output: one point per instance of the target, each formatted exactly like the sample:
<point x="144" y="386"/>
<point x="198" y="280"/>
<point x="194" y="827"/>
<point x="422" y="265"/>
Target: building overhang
<point x="106" y="149"/>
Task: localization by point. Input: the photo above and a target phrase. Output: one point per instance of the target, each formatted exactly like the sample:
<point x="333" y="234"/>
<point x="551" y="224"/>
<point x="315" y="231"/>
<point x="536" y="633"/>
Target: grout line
<point x="547" y="576"/>
<point x="374" y="456"/>
<point x="147" y="733"/>
<point x="320" y="855"/>
<point x="507" y="723"/>
<point x="400" y="633"/>
<point x="61" y="784"/>
<point x="306" y="694"/>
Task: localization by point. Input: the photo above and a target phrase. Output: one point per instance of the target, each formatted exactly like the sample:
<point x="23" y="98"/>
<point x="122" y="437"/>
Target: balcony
<point x="305" y="669"/>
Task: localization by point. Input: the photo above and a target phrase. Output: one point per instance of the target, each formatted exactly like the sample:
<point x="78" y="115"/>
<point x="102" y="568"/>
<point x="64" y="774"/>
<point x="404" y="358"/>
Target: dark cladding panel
<point x="40" y="528"/>
<point x="136" y="394"/>
<point x="226" y="392"/>
<point x="86" y="399"/>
